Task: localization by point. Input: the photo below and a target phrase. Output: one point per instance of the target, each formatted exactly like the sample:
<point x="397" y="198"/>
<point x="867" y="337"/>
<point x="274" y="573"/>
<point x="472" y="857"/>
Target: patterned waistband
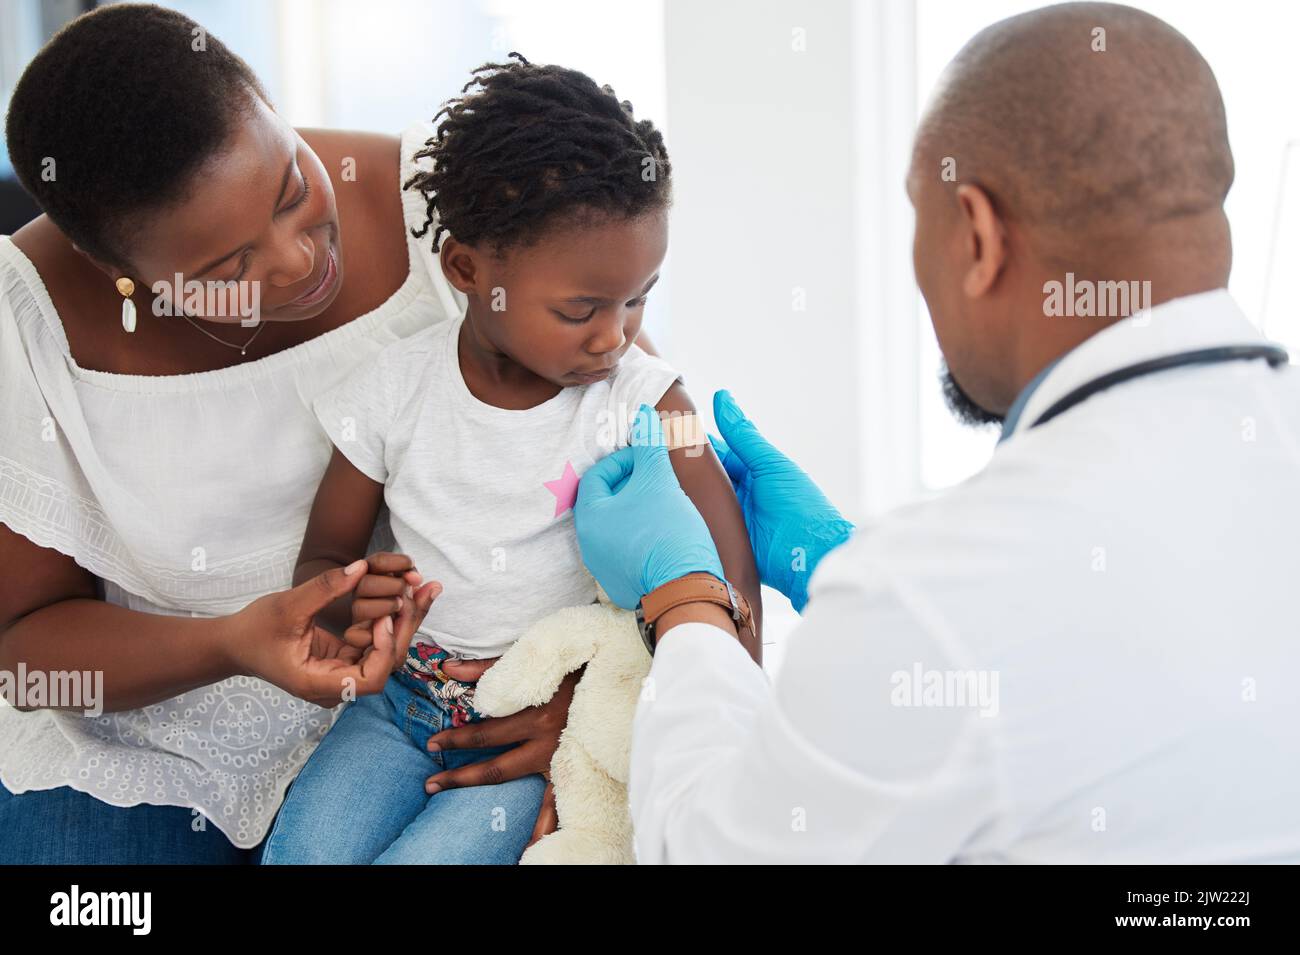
<point x="424" y="663"/>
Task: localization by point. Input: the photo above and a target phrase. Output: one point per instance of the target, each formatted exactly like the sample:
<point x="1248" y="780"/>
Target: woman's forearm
<point x="144" y="657"/>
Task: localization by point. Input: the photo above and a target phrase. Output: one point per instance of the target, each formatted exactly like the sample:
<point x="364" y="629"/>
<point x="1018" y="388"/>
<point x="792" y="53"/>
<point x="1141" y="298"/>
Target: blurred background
<point x="789" y="275"/>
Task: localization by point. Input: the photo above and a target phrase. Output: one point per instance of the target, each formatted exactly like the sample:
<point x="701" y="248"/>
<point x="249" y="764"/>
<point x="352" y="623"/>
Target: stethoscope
<point x="1275" y="355"/>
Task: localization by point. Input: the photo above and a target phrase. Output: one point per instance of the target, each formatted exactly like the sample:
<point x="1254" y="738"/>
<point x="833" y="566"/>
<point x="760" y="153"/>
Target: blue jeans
<point x="360" y="799"/>
<point x="65" y="827"/>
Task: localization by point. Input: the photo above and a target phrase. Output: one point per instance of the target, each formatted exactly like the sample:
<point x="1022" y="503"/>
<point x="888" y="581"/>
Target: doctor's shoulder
<point x="993" y="522"/>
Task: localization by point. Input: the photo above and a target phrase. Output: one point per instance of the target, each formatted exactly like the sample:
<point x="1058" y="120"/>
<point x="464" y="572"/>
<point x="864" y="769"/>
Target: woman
<point x="155" y="482"/>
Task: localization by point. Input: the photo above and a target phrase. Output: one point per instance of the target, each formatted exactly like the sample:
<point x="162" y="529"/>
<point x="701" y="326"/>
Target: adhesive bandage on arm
<point x="682" y="430"/>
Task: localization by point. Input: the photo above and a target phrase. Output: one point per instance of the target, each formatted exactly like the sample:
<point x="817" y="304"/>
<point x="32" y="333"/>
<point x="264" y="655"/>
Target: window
<point x="1251" y="50"/>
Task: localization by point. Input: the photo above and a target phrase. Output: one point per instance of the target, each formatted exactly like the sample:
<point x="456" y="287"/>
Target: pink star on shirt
<point x="565" y="489"/>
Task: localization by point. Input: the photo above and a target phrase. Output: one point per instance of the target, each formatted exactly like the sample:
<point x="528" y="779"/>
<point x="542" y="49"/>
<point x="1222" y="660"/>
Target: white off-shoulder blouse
<point x="186" y="495"/>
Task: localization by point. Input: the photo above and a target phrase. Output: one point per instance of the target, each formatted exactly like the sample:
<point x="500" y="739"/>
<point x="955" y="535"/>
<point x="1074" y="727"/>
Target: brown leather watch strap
<point x="694" y="588"/>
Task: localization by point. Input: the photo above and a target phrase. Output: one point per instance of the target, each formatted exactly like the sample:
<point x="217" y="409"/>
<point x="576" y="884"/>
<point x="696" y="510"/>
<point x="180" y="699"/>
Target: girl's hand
<point x="275" y="638"/>
<point x="392" y="587"/>
<point x="536" y="730"/>
<point x="385" y="588"/>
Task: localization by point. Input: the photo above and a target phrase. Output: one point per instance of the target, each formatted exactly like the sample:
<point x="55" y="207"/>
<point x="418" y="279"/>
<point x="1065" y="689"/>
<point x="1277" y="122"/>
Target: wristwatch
<point x="692" y="588"/>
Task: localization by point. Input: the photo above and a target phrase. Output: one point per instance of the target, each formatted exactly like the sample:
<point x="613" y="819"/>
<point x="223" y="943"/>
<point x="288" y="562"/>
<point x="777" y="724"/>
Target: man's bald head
<point x="1078" y="142"/>
<point x="1082" y="141"/>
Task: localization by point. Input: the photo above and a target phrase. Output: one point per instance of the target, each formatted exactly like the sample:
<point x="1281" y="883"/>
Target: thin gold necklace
<point x="242" y="349"/>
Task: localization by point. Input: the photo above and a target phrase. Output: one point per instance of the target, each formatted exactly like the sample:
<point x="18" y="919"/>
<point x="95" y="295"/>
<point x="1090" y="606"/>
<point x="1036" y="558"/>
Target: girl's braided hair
<point x="533" y="147"/>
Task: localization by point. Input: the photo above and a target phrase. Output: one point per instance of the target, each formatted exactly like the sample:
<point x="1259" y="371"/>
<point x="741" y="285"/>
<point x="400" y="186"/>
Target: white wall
<point x="762" y="144"/>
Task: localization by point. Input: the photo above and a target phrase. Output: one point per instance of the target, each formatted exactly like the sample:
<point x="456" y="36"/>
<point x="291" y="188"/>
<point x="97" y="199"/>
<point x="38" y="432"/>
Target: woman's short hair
<point x="116" y="116"/>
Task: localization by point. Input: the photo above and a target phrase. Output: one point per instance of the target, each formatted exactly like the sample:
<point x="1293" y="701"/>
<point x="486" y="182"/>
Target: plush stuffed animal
<point x="590" y="767"/>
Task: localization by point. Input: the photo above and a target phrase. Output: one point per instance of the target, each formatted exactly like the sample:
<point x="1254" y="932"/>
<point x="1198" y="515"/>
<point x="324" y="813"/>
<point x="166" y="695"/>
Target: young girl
<point x="474" y="433"/>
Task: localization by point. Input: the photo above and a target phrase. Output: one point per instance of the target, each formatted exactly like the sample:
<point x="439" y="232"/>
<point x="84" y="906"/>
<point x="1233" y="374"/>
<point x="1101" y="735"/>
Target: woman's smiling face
<point x="569" y="307"/>
<point x="260" y="211"/>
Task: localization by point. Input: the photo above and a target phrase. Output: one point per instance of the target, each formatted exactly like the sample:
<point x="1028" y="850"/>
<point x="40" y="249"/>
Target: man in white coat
<point x="1086" y="653"/>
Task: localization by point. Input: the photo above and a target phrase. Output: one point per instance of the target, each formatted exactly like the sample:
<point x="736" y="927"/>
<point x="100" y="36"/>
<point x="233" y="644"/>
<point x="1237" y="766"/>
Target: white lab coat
<point x="1122" y="579"/>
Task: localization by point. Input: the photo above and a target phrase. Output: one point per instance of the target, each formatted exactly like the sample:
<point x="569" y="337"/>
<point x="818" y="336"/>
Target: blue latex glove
<point x="791" y="524"/>
<point x="636" y="527"/>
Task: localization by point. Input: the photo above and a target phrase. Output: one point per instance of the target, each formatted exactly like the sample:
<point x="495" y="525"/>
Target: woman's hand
<point x="391" y="586"/>
<point x="275" y="638"/>
<point x="537" y="730"/>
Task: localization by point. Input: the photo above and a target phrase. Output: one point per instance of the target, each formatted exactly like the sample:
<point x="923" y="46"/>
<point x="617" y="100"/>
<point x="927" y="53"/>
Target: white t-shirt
<point x="479" y="497"/>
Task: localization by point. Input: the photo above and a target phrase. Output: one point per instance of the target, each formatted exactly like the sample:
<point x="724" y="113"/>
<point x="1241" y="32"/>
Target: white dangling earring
<point x="127" y="288"/>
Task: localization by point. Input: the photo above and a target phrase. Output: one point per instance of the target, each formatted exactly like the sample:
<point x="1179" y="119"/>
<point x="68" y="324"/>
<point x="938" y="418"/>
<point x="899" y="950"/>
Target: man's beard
<point x="963" y="406"/>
